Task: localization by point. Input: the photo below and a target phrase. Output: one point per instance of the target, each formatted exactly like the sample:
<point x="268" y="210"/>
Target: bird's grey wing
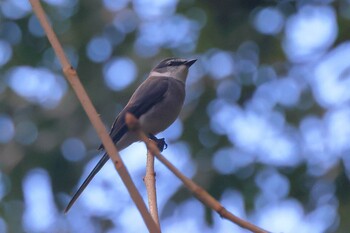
<point x="146" y="96"/>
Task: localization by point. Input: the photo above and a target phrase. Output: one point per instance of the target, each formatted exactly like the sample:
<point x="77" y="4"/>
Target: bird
<point x="156" y="103"/>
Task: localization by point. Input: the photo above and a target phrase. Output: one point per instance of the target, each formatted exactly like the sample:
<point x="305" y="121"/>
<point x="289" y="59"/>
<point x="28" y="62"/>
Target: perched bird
<point x="156" y="103"/>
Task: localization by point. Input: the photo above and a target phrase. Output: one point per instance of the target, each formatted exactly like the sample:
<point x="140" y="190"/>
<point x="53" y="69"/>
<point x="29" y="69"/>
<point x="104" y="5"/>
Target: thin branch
<point x="109" y="146"/>
<point x="198" y="192"/>
<point x="150" y="182"/>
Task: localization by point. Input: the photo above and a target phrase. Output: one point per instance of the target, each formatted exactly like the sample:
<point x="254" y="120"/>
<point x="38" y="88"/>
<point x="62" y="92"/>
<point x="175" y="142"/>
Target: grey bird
<point x="157" y="103"/>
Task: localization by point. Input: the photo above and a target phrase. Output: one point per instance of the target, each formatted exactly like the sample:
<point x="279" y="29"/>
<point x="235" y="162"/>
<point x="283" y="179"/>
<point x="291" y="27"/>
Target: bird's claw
<point x="161" y="144"/>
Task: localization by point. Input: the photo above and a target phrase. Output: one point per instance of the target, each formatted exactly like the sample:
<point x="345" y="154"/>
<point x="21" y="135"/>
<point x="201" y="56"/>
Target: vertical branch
<point x="150" y="182"/>
<point x="90" y="110"/>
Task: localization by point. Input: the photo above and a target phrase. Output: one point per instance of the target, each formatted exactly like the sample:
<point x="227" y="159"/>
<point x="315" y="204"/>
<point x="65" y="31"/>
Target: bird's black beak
<point x="188" y="63"/>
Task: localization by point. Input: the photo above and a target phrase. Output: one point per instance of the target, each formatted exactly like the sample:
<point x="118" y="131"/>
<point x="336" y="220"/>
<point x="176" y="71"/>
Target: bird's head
<point x="173" y="67"/>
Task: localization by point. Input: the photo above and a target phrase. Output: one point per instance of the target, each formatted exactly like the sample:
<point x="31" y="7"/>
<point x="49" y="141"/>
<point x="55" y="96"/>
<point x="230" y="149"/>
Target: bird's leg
<point x="161" y="144"/>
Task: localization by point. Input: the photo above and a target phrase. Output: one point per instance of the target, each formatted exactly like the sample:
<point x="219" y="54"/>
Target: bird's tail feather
<point x="82" y="187"/>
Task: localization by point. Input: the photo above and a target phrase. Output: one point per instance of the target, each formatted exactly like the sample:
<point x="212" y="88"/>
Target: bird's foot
<point x="161" y="144"/>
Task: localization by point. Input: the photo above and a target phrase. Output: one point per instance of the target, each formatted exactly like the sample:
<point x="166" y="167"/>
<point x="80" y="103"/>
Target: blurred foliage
<point x="226" y="26"/>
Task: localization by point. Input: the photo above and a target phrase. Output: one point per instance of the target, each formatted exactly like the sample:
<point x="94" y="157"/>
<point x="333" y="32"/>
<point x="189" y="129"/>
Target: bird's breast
<point x="164" y="113"/>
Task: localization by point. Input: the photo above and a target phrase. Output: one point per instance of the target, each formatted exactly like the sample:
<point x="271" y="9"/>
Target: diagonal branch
<point x="198" y="192"/>
<point x="73" y="79"/>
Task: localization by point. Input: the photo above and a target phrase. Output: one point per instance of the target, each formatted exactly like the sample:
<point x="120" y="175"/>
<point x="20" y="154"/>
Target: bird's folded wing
<point x="144" y="98"/>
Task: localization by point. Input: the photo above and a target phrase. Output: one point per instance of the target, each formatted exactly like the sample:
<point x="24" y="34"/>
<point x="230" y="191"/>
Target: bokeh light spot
<point x="220" y="65"/>
<point x="113" y="5"/>
<point x="149" y="9"/>
<point x="15" y="9"/>
<point x="37" y="85"/>
<point x="228" y="160"/>
<point x="5" y="52"/>
<point x="7" y="129"/>
<point x="3" y="225"/>
<point x="119" y="73"/>
<point x="269" y="21"/>
<point x="126" y="21"/>
<point x="229" y="90"/>
<point x="73" y="149"/>
<point x="273" y="185"/>
<point x="10" y="32"/>
<point x="310" y="32"/>
<point x="65" y="3"/>
<point x="331" y="78"/>
<point x="39" y="211"/>
<point x="35" y="27"/>
<point x="99" y="49"/>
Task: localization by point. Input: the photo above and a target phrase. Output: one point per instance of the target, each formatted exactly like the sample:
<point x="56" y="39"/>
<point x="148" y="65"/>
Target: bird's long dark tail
<point x="82" y="187"/>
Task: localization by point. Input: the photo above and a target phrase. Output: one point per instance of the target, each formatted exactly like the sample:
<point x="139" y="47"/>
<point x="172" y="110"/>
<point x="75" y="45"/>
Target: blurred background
<point x="265" y="127"/>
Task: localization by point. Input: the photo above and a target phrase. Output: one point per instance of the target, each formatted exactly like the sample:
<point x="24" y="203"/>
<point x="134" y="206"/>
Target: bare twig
<point x="109" y="146"/>
<point x="198" y="192"/>
<point x="150" y="182"/>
